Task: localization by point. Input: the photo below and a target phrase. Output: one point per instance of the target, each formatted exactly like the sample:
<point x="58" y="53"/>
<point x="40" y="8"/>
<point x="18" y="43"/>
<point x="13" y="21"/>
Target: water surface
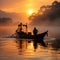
<point x="17" y="49"/>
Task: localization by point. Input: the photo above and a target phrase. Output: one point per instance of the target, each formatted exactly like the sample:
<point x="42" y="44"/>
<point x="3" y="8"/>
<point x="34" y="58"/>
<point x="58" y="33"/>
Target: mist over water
<point x="53" y="31"/>
<point x="16" y="49"/>
<point x="7" y="30"/>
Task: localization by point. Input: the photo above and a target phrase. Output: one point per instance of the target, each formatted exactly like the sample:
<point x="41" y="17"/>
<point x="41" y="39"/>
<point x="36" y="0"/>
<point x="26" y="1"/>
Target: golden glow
<point x="30" y="45"/>
<point x="22" y="5"/>
<point x="30" y="11"/>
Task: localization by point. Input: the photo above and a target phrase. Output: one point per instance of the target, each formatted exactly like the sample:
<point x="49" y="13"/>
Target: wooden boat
<point x="37" y="38"/>
<point x="27" y="35"/>
<point x="24" y="35"/>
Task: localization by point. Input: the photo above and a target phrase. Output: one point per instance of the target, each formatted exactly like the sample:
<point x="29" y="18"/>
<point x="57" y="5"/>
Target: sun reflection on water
<point x="24" y="49"/>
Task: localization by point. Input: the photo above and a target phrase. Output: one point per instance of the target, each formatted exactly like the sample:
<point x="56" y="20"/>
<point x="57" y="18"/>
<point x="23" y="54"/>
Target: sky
<point x="21" y="6"/>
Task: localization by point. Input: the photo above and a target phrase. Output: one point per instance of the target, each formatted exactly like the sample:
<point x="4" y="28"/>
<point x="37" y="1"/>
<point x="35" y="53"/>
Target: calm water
<point x="16" y="49"/>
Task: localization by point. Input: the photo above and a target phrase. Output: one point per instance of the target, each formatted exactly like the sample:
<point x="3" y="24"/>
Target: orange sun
<point x="30" y="11"/>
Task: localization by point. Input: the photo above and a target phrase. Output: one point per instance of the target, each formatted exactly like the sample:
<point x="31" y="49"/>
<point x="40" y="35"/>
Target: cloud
<point x="47" y="15"/>
<point x="9" y="18"/>
<point x="5" y="20"/>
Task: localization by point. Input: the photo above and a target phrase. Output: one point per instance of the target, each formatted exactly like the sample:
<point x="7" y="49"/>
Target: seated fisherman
<point x="35" y="31"/>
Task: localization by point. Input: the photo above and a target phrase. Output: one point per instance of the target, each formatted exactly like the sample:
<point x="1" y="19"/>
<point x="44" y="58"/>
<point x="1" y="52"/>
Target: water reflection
<point x="27" y="45"/>
<point x="18" y="49"/>
<point x="35" y="44"/>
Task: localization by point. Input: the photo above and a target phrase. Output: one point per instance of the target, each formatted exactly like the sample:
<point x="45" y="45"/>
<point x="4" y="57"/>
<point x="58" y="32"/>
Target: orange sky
<point x="22" y="5"/>
<point x="27" y="7"/>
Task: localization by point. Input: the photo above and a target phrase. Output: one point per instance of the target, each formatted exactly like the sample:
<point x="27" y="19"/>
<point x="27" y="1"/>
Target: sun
<point x="30" y="12"/>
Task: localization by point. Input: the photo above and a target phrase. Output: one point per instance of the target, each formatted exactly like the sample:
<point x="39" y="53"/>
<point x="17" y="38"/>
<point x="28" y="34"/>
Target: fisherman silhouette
<point x="38" y="38"/>
<point x="35" y="31"/>
<point x="20" y="25"/>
